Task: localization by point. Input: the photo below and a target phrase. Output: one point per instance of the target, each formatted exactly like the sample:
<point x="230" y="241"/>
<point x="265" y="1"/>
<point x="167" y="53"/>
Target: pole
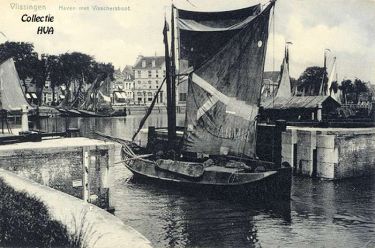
<point x="171" y="131"/>
<point x="173" y="81"/>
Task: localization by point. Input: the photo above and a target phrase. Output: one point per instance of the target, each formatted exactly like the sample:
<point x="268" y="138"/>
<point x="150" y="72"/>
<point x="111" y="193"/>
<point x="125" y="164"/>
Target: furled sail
<point x="284" y="89"/>
<point x="224" y="93"/>
<point x="203" y="34"/>
<point x="332" y="77"/>
<point x="12" y="97"/>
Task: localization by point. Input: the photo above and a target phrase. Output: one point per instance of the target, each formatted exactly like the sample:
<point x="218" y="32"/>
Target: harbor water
<point x="321" y="213"/>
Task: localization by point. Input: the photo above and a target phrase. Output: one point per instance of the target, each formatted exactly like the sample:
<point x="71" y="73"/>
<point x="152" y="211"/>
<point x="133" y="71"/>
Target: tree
<point x="293" y="85"/>
<point x="65" y="69"/>
<point x="352" y="90"/>
<point x="25" y="58"/>
<point x="55" y="74"/>
<point x="311" y="79"/>
<point x="334" y="87"/>
<point x="346" y="87"/>
<point x="77" y="67"/>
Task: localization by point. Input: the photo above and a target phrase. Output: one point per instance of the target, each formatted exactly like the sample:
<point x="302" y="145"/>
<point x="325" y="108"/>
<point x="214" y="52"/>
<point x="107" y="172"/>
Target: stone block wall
<point x="340" y="152"/>
<point x="92" y="225"/>
<point x="60" y="164"/>
<point x="305" y="146"/>
<point x="356" y="155"/>
<point x="289" y="138"/>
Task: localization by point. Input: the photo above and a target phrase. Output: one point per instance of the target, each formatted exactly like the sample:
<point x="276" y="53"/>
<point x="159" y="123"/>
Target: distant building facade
<point x="122" y="89"/>
<point x="270" y="84"/>
<point x="149" y="73"/>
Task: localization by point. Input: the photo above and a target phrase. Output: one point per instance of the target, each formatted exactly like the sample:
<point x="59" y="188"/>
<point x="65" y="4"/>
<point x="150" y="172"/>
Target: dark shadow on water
<point x="199" y="220"/>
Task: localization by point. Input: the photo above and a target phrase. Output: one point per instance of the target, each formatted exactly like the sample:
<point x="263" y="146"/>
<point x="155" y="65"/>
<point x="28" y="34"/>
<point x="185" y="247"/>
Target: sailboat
<point x="215" y="152"/>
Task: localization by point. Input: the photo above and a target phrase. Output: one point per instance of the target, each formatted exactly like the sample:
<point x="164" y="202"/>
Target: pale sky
<point x="346" y="27"/>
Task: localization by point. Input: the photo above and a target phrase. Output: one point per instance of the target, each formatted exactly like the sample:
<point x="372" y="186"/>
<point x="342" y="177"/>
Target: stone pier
<point x="77" y="166"/>
<point x="93" y="226"/>
<point x="332" y="153"/>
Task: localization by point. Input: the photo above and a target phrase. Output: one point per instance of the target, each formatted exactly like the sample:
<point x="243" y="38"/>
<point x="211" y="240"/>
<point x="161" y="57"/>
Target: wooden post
<point x="279" y="128"/>
<point x="25" y="118"/>
<point x="85" y="177"/>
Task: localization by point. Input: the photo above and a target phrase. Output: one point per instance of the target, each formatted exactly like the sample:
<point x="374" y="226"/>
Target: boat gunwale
<point x="265" y="175"/>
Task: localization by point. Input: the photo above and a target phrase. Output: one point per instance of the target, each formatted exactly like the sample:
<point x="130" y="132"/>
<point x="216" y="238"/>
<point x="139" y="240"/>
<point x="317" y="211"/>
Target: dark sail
<point x="224" y="92"/>
<point x="203" y="34"/>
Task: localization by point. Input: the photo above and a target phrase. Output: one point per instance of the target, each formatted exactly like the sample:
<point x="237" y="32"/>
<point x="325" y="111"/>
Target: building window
<point x="153" y="63"/>
<point x="139" y="73"/>
<point x="149" y="74"/>
<point x="139" y="93"/>
<point x="139" y="82"/>
<point x="149" y="94"/>
<point x="182" y="97"/>
<point x="143" y="63"/>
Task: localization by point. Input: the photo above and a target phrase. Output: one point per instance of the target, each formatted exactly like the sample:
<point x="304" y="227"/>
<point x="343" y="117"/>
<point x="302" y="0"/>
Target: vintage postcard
<point x="187" y="123"/>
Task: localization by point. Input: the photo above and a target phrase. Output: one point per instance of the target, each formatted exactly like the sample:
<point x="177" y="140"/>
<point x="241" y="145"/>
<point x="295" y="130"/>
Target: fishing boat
<point x="215" y="152"/>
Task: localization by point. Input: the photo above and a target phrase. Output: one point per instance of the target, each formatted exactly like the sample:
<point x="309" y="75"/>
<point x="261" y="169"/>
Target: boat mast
<point x="172" y="114"/>
<point x="171" y="124"/>
<point x="323" y="91"/>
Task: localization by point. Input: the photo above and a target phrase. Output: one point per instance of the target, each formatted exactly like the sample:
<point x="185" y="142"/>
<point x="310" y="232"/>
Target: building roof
<point x="159" y="61"/>
<point x="297" y="102"/>
<point x="128" y="72"/>
<point x="128" y="69"/>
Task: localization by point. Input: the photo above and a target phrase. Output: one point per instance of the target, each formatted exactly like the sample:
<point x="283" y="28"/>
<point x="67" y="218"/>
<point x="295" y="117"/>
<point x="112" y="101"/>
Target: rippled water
<point x="320" y="214"/>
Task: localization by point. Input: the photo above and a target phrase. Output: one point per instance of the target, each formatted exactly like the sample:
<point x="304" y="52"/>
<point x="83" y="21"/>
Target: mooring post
<point x="151" y="137"/>
<point x="25" y="118"/>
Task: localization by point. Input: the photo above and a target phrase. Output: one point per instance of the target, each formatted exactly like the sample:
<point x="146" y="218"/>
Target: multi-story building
<point x="128" y="82"/>
<point x="123" y="85"/>
<point x="149" y="73"/>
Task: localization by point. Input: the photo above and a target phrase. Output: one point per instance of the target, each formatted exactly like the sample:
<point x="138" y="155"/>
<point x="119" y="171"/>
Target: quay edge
<point x="330" y="153"/>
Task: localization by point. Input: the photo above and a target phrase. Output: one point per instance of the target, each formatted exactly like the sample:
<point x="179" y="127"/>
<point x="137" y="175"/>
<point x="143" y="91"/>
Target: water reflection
<point x="320" y="214"/>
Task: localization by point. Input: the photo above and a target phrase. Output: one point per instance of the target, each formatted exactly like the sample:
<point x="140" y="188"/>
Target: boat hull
<point x="272" y="185"/>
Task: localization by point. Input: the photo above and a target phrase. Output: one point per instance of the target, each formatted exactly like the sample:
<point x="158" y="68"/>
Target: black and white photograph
<point x="187" y="123"/>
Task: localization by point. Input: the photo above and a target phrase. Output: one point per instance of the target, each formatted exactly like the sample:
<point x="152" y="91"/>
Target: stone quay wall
<point x="93" y="226"/>
<point x="332" y="153"/>
<point x="77" y="166"/>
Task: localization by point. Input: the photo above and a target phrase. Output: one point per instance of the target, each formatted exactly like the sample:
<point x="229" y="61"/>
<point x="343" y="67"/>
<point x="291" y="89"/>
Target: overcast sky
<point x="346" y="27"/>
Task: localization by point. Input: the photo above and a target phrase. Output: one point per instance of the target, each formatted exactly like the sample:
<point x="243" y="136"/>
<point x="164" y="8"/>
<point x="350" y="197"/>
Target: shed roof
<point x="297" y="102"/>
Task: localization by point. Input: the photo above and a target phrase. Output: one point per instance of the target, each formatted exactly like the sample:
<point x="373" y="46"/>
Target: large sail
<point x="12" y="97"/>
<point x="203" y="34"/>
<point x="224" y="94"/>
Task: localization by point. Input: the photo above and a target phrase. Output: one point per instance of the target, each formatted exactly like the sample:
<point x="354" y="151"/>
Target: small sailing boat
<point x="215" y="152"/>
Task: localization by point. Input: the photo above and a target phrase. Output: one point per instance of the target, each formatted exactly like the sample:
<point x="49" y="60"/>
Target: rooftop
<point x="296" y="102"/>
<point x="149" y="62"/>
